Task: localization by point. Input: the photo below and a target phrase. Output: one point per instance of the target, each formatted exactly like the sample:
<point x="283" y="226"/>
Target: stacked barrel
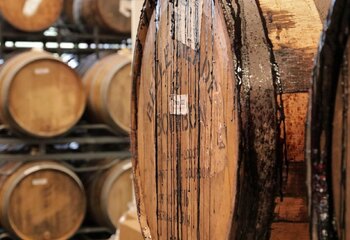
<point x="47" y="200"/>
<point x="42" y="98"/>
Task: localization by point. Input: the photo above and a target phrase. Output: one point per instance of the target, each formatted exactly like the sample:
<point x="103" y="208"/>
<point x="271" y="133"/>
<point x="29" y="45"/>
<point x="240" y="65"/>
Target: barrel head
<point x="185" y="124"/>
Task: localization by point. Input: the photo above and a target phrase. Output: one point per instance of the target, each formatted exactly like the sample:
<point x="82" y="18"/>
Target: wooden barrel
<point x="108" y="89"/>
<point x="109" y="193"/>
<point x="208" y="123"/>
<point x="328" y="132"/>
<point x="110" y="15"/>
<point x="31" y="15"/>
<point x="40" y="95"/>
<point x="40" y="200"/>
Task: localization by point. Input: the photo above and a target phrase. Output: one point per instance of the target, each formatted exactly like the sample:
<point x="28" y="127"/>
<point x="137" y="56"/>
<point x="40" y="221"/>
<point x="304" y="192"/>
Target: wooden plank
<point x="291" y="210"/>
<point x="296" y="182"/>
<point x="294" y="28"/>
<point x="295" y="107"/>
<point x="290" y="231"/>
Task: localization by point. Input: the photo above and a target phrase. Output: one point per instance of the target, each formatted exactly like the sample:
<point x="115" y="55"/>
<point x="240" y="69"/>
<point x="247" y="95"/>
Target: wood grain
<point x="290" y="231"/>
<point x="295" y="108"/>
<point x="291" y="210"/>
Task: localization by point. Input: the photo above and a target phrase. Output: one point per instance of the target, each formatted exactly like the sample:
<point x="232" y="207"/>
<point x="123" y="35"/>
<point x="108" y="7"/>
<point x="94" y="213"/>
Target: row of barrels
<point x="41" y="96"/>
<point x="38" y="15"/>
<point x="47" y="200"/>
<point x="219" y="106"/>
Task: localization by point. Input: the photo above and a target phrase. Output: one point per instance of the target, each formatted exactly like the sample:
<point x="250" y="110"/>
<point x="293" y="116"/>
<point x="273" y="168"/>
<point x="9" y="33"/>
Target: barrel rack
<point x="85" y="142"/>
<point x="94" y="41"/>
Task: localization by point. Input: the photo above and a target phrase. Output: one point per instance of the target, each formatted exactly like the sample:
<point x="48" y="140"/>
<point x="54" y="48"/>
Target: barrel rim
<point x="142" y="30"/>
<point x="42" y="165"/>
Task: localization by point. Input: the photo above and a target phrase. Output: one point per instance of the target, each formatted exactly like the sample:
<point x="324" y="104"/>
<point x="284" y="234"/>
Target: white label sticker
<point x="41" y="71"/>
<point x="39" y="181"/>
<point x="125" y="8"/>
<point x="188" y="16"/>
<point x="30" y="7"/>
<point x="178" y="104"/>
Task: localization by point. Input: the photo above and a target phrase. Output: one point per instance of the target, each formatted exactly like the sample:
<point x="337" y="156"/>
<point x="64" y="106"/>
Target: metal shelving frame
<point x="91" y="141"/>
<point x="64" y="34"/>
